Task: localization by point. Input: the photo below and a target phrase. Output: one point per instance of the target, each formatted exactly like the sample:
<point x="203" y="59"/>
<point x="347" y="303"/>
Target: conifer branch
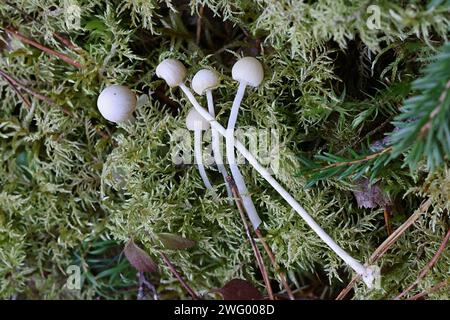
<point x="423" y="131"/>
<point x="424" y="121"/>
<point x="14" y="32"/>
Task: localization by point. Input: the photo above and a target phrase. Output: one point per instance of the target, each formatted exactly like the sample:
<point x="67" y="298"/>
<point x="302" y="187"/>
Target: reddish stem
<point x="13" y="83"/>
<point x="275" y="264"/>
<point x="435" y="288"/>
<point x="14" y="32"/>
<point x="256" y="251"/>
<point x="381" y="250"/>
<point x="178" y="276"/>
<point x="428" y="267"/>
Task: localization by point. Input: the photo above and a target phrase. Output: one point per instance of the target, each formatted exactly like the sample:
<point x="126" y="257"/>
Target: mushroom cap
<point x="249" y="70"/>
<point x="194" y="121"/>
<point x="203" y="80"/>
<point x="172" y="71"/>
<point x="116" y="103"/>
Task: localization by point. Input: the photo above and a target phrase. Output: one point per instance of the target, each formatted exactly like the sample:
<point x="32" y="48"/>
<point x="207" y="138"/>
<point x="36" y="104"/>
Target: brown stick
<point x="25" y="88"/>
<point x="47" y="50"/>
<point x="15" y="87"/>
<point x="428" y="267"/>
<point x="256" y="251"/>
<point x="178" y="276"/>
<point x="365" y="159"/>
<point x="435" y="288"/>
<point x="58" y="36"/>
<point x="199" y="24"/>
<point x="67" y="42"/>
<point x="381" y="250"/>
<point x="387" y="221"/>
<point x="281" y="274"/>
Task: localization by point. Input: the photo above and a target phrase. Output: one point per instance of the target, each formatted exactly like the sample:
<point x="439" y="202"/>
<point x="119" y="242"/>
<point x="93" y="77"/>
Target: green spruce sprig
<point x="424" y="121"/>
<point x="422" y="131"/>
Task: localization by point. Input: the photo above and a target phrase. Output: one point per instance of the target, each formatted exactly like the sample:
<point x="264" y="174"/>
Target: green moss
<point x="330" y="83"/>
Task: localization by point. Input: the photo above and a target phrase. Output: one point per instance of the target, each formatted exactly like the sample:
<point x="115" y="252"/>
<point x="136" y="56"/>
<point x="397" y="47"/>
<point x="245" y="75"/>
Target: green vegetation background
<point x="75" y="188"/>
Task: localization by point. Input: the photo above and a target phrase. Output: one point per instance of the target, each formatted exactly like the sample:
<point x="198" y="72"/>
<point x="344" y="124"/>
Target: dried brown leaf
<point x="175" y="242"/>
<point x="370" y="196"/>
<point x="138" y="258"/>
<point x="238" y="289"/>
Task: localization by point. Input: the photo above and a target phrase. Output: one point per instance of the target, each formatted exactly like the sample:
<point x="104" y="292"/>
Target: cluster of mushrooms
<point x="117" y="103"/>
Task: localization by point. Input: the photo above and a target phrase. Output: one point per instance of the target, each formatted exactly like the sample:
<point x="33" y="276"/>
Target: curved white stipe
<point x="235" y="172"/>
<point x="367" y="273"/>
<point x="199" y="159"/>
<point x="216" y="145"/>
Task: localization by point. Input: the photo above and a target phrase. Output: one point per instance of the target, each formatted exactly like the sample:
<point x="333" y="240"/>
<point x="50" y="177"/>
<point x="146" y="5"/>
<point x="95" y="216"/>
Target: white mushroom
<point x="248" y="71"/>
<point x="367" y="273"/>
<point x="172" y="71"/>
<point x="117" y="103"/>
<point x="195" y="122"/>
<point x="202" y="83"/>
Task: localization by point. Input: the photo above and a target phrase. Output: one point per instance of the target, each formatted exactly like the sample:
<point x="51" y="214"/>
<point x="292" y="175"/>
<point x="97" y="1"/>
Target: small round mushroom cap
<point x="116" y="103"/>
<point x="248" y="70"/>
<point x="204" y="80"/>
<point x="194" y="121"/>
<point x="172" y="71"/>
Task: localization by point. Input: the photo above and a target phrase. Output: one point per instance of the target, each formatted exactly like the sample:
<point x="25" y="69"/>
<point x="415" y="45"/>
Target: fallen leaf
<point x="238" y="289"/>
<point x="370" y="196"/>
<point x="173" y="241"/>
<point x="138" y="258"/>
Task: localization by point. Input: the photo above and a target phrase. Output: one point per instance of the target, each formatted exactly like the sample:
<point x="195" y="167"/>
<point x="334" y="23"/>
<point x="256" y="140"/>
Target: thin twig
<point x="256" y="251"/>
<point x="365" y="159"/>
<point x="426" y="127"/>
<point x="428" y="267"/>
<point x="435" y="288"/>
<point x="17" y="85"/>
<point x="370" y="133"/>
<point x="281" y="274"/>
<point x="67" y="42"/>
<point x="144" y="283"/>
<point x="178" y="276"/>
<point x="29" y="17"/>
<point x="381" y="250"/>
<point x="199" y="24"/>
<point x="105" y="136"/>
<point x="14" y="32"/>
<point x="25" y="88"/>
<point x="387" y="221"/>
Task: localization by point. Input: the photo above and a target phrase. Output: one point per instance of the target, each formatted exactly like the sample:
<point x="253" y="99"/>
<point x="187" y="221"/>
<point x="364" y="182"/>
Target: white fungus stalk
<point x="367" y="273"/>
<point x="204" y="82"/>
<point x="117" y="103"/>
<point x="195" y="122"/>
<point x="247" y="71"/>
<point x="235" y="172"/>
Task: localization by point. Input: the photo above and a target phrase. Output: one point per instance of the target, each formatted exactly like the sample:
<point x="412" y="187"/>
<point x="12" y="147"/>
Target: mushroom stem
<point x="235" y="172"/>
<point x="216" y="144"/>
<point x="366" y="272"/>
<point x="199" y="159"/>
